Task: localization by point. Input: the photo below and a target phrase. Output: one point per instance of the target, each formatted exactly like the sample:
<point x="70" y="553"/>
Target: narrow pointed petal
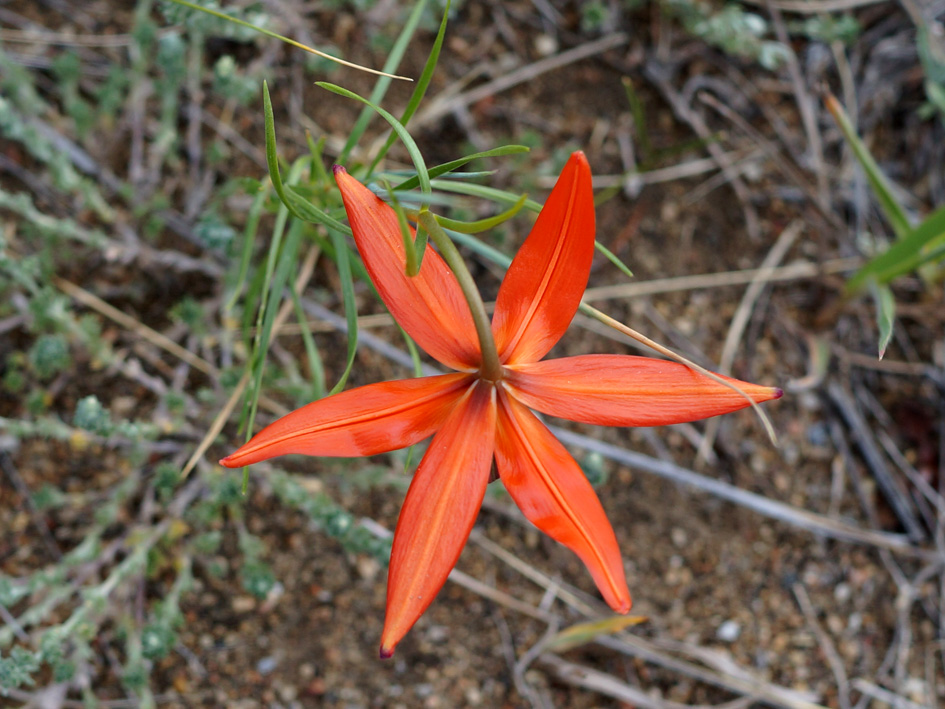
<point x="439" y="511"/>
<point x="553" y="493"/>
<point x="429" y="306"/>
<point x="620" y="390"/>
<point x="365" y="421"/>
<point x="545" y="283"/>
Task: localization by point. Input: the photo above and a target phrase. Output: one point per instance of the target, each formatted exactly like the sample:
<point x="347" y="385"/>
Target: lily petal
<point x="552" y="491"/>
<point x="439" y="511"/>
<point x="365" y="421"/>
<point x="429" y="306"/>
<point x="620" y="390"/>
<point x="546" y="281"/>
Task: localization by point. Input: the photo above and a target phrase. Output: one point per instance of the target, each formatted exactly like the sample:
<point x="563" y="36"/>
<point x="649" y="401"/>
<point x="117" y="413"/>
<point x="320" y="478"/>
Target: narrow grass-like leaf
<point x="887" y="200"/>
<point x="885" y="314"/>
<point x="484" y="192"/>
<point x="316" y="369"/>
<point x="639" y="121"/>
<point x="413" y="267"/>
<point x="916" y="248"/>
<point x="299" y="45"/>
<point x="405" y="137"/>
<point x="351" y="306"/>
<point x="614" y="259"/>
<point x="380" y="88"/>
<point x="477" y="246"/>
<point x="480" y="225"/>
<point x="249" y="239"/>
<point x="278" y="263"/>
<point x="299" y="207"/>
<point x="583" y="633"/>
<point x="306" y="211"/>
<point x="317" y="150"/>
<point x="446" y="167"/>
<point x="420" y="245"/>
<point x="414" y="352"/>
<point x="419" y="90"/>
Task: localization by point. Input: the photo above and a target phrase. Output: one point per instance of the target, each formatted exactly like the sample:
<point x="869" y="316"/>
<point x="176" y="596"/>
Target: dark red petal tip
<point x="778" y="393"/>
<point x="335" y="169"/>
<point x="386" y="654"/>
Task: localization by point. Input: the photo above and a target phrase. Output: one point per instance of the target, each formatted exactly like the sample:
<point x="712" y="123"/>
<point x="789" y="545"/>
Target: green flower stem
<point x="491" y="368"/>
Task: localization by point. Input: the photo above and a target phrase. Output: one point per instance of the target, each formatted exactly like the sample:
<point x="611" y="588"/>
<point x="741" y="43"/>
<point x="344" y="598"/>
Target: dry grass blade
<point x="892" y="489"/>
<point x="666" y="352"/>
<point x="791" y="272"/>
<point x="305" y="274"/>
<point x="815" y="7"/>
<point x="608" y="685"/>
<point x="803" y="519"/>
<point x="726" y="675"/>
<point x="129" y="323"/>
<point x="826" y="646"/>
<point x="742" y="315"/>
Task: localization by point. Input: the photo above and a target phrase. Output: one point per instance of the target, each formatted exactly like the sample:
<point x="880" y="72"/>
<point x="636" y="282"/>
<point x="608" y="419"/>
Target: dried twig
<point x="826" y="646"/>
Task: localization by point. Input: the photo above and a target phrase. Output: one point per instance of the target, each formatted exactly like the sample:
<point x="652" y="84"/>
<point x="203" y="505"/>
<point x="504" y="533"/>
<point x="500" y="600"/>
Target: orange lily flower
<point x="474" y="417"/>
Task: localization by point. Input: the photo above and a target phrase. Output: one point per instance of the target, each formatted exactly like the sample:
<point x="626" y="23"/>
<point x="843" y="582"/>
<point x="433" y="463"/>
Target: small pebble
<point x="729" y="631"/>
<point x="266" y="665"/>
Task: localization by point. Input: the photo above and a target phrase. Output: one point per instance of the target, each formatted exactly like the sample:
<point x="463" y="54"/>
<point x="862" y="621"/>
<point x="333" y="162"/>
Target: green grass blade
<point x="885" y="314"/>
<point x="915" y="249"/>
<point x="308" y="212"/>
<point x="299" y="45"/>
<point x="483" y="192"/>
<point x="478" y="247"/>
<point x="614" y="259"/>
<point x="881" y="187"/>
<point x="413" y="267"/>
<point x="249" y="239"/>
<point x="406" y="139"/>
<point x="447" y="167"/>
<point x="317" y="150"/>
<point x="316" y="368"/>
<point x="297" y="205"/>
<point x="351" y="305"/>
<point x="380" y="88"/>
<point x="481" y="225"/>
<point x="278" y="264"/>
<point x="639" y="120"/>
<point x="419" y="90"/>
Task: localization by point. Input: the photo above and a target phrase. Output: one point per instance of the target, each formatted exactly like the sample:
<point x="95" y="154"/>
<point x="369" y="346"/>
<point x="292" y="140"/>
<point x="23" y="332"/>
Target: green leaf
<point x="413" y="264"/>
<point x="249" y="238"/>
<point x="380" y="88"/>
<point x="481" y="225"/>
<point x="479" y="247"/>
<point x="402" y="133"/>
<point x="885" y="314"/>
<point x="614" y="259"/>
<point x="419" y="90"/>
<point x="446" y="167"/>
<point x="316" y="369"/>
<point x="583" y="633"/>
<point x="483" y="192"/>
<point x="917" y="247"/>
<point x="351" y="306"/>
<point x="278" y="264"/>
<point x="299" y="207"/>
<point x="887" y="200"/>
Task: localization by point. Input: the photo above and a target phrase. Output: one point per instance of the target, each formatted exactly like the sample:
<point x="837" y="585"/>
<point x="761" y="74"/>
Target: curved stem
<point x="491" y="368"/>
